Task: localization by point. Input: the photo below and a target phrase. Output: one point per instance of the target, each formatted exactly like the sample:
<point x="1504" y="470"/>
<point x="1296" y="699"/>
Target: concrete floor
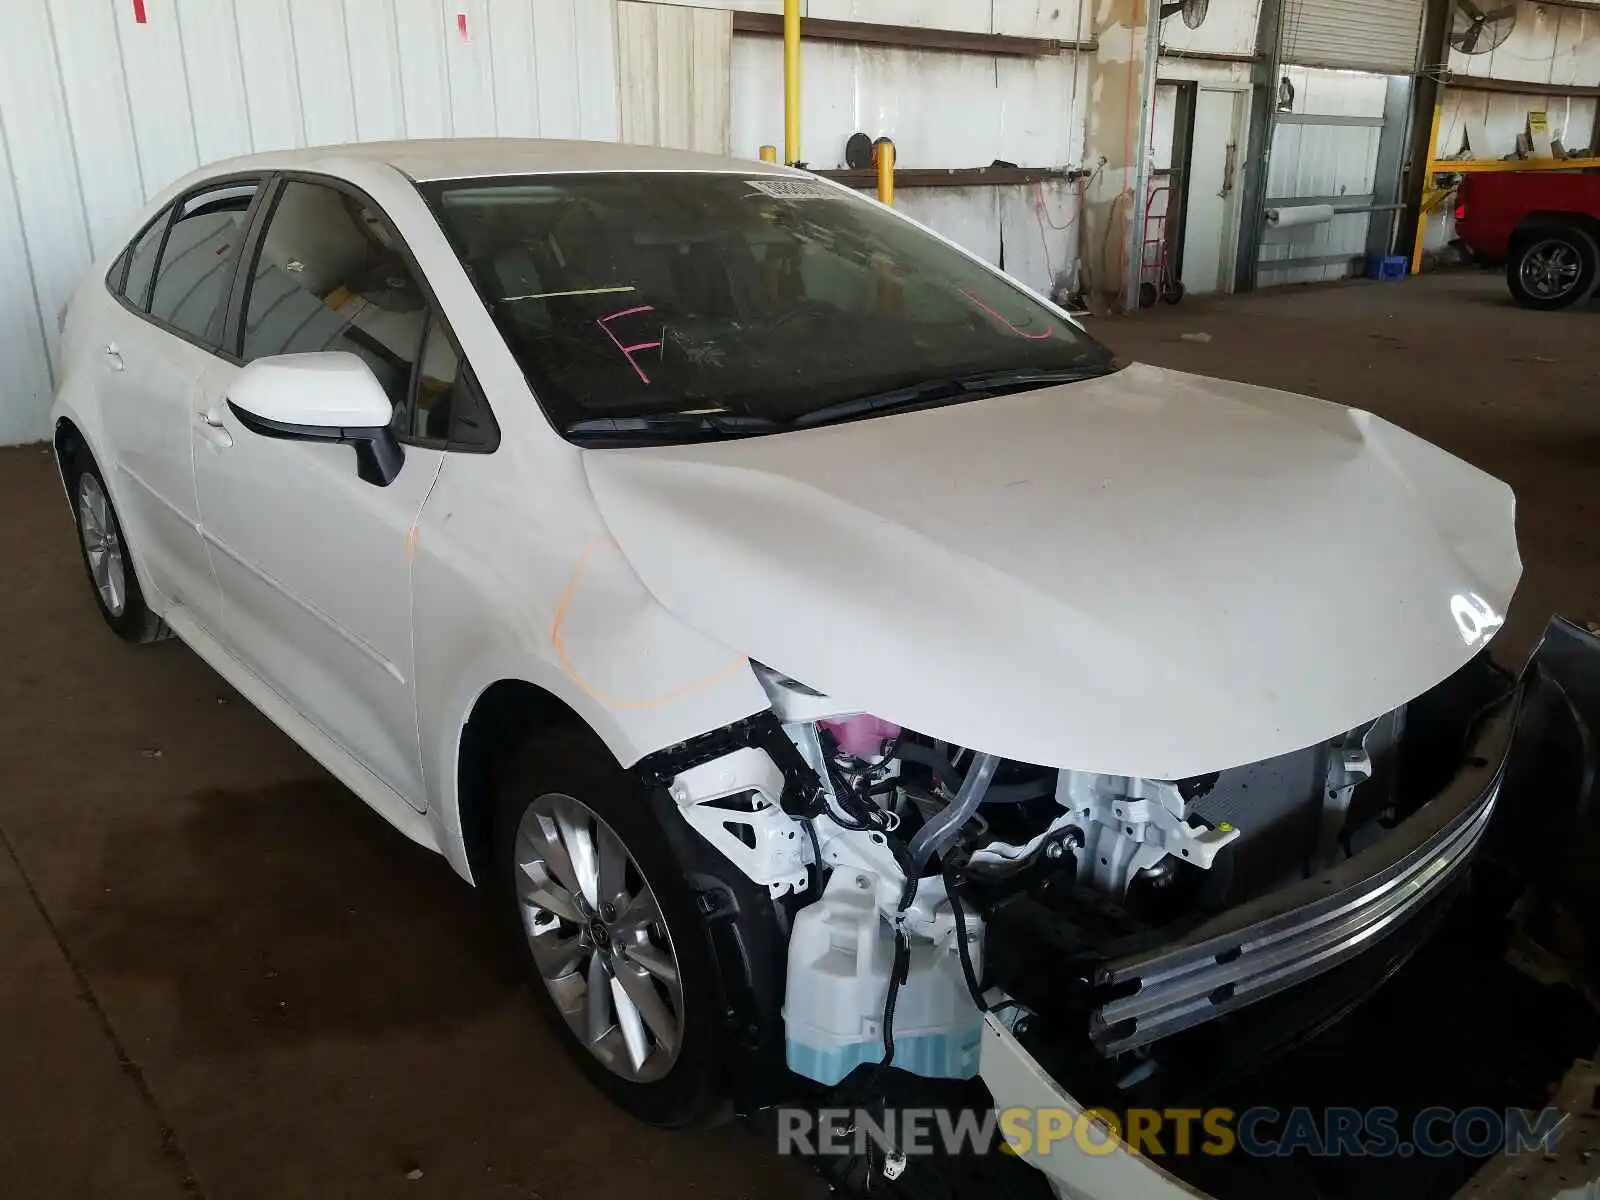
<point x="222" y="976"/>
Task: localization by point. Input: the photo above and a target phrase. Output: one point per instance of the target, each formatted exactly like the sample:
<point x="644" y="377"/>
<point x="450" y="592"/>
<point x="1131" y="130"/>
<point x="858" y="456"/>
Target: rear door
<point x="314" y="563"/>
<point x="173" y="286"/>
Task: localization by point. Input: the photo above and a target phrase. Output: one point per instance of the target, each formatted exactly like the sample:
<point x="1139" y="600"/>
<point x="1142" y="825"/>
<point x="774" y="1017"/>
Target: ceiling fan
<point x="1474" y="31"/>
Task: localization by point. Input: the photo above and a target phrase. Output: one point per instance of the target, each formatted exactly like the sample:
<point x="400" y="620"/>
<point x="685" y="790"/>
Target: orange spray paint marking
<point x="677" y="693"/>
<point x="1032" y="337"/>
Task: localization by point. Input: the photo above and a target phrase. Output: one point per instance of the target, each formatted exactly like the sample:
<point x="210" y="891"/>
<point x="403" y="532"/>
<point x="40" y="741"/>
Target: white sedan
<point x="733" y="576"/>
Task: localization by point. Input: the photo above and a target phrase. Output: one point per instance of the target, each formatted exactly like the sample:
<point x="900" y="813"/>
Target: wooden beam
<point x="925" y="177"/>
<point x="906" y="36"/>
<point x="1498" y="166"/>
<point x="1519" y="87"/>
<point x="1209" y="56"/>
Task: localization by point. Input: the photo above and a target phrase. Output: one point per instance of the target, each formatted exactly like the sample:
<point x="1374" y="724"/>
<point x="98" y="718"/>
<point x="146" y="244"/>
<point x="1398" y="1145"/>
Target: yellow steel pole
<point x="791" y="81"/>
<point x="769" y="154"/>
<point x="886" y="172"/>
<point x="1427" y="186"/>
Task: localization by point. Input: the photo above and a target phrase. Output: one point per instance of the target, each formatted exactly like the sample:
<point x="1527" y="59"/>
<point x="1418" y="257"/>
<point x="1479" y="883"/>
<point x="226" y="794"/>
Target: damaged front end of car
<point x="896" y="907"/>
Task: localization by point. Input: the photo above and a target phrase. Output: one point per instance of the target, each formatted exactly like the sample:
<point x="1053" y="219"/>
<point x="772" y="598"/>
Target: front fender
<point x="542" y="595"/>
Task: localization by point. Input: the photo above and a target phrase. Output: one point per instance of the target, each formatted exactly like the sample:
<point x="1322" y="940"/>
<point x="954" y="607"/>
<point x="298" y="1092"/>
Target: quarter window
<point x="198" y="261"/>
<point x="439" y="376"/>
<point x="140" y="262"/>
<point x="330" y="276"/>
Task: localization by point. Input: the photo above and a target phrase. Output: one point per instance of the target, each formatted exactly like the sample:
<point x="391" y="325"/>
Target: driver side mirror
<point x="327" y="396"/>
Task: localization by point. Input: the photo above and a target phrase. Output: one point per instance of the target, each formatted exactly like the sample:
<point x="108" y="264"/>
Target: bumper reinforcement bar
<point x="1300" y="931"/>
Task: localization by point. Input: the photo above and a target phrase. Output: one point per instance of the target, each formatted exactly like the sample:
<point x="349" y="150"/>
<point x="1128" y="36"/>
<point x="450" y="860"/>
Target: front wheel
<point x="609" y="926"/>
<point x="1552" y="268"/>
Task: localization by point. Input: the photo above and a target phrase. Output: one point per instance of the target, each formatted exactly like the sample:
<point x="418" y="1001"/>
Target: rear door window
<point x="198" y="261"/>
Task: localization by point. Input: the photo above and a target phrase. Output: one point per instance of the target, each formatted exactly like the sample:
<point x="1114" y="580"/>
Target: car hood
<point x="1150" y="573"/>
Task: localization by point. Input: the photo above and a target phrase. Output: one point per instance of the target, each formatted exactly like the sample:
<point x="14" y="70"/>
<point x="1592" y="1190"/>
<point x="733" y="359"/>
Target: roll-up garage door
<point x="1363" y="35"/>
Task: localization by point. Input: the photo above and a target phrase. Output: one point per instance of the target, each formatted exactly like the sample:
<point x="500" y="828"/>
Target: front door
<point x="313" y="562"/>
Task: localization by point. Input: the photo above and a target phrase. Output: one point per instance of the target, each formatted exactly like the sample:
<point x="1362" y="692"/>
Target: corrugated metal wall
<point x="99" y="111"/>
<point x="675" y="71"/>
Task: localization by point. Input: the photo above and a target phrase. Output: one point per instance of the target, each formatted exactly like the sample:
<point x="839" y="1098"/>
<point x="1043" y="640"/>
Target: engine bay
<point x="928" y="884"/>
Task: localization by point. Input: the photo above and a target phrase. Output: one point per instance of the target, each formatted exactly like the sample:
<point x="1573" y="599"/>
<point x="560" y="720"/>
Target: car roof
<point x="466" y="158"/>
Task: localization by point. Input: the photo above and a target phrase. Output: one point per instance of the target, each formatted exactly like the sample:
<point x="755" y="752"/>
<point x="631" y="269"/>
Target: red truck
<point x="1545" y="227"/>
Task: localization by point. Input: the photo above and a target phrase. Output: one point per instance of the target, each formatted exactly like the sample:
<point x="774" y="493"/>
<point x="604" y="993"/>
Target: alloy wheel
<point x="598" y="938"/>
<point x="102" y="545"/>
<point x="1550" y="269"/>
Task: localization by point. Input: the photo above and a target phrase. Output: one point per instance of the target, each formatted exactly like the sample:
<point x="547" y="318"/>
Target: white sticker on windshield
<point x="793" y="189"/>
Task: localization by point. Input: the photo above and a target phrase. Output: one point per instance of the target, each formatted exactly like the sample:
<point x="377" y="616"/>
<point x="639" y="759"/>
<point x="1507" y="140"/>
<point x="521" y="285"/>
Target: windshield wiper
<point x="932" y="392"/>
<point x="648" y="428"/>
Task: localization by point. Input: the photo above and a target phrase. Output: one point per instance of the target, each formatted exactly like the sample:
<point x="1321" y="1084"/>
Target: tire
<point x="565" y="780"/>
<point x="1552" y="267"/>
<point x="1173" y="292"/>
<point x="107" y="563"/>
<point x="1147" y="295"/>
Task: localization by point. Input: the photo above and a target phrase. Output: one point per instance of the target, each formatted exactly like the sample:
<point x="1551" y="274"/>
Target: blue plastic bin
<point x="1388" y="267"/>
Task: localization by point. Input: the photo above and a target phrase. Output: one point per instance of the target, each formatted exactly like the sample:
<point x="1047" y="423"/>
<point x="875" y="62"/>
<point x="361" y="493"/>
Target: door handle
<point x="212" y="428"/>
<point x="113" y="357"/>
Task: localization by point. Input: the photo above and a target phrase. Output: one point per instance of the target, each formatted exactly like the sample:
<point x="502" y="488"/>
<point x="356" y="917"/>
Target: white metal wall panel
<point x="514" y="68"/>
<point x="211" y="54"/>
<point x="322" y="62"/>
<point x="99" y="111"/>
<point x="374" y="55"/>
<point x="1229" y="28"/>
<point x="593" y="67"/>
<point x="159" y="98"/>
<point x="25" y="217"/>
<point x="469" y="64"/>
<point x="1067" y="20"/>
<point x="108" y="165"/>
<point x="1366" y="35"/>
<point x="970" y="16"/>
<point x="555" y="39"/>
<point x="1028" y="230"/>
<point x="424" y="82"/>
<point x="1038" y="230"/>
<point x="1324" y="160"/>
<point x="968" y="216"/>
<point x="39" y="136"/>
<point x="674" y="64"/>
<point x="270" y="73"/>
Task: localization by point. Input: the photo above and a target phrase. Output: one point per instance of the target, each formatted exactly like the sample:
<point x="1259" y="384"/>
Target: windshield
<point x="686" y="307"/>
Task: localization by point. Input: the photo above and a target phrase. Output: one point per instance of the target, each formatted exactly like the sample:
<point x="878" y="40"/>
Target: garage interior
<point x="225" y="977"/>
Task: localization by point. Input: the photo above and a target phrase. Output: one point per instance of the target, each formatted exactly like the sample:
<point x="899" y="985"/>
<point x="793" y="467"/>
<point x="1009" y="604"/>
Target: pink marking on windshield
<point x="629" y="351"/>
<point x="1032" y="337"/>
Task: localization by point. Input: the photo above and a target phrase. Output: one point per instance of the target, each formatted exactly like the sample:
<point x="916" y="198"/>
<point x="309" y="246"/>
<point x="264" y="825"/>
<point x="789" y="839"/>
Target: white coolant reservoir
<point x="840" y="955"/>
